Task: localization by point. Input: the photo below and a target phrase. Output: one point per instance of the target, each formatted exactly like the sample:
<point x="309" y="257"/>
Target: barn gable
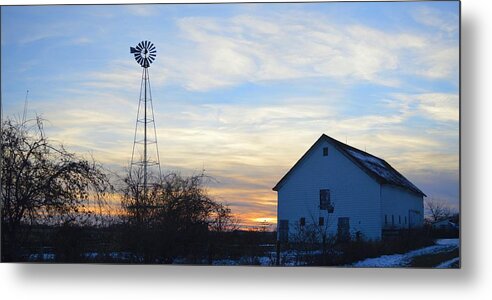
<point x="374" y="166"/>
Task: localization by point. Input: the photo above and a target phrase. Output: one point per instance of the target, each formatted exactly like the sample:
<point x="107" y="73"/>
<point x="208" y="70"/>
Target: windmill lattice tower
<point x="145" y="161"/>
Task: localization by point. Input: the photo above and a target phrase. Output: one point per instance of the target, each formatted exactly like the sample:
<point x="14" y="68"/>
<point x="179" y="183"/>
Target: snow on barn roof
<point x="374" y="166"/>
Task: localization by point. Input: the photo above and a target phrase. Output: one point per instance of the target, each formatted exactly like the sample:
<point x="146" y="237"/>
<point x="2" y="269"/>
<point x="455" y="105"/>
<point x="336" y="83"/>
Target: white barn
<point x="348" y="191"/>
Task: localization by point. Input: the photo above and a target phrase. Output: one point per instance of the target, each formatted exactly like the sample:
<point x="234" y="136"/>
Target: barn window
<point x="325" y="200"/>
<point x="325" y="151"/>
<point x="302" y="221"/>
<point x="321" y="221"/>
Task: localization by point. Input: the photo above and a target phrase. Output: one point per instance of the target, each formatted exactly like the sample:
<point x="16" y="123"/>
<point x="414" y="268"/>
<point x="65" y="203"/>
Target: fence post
<point x="278" y="253"/>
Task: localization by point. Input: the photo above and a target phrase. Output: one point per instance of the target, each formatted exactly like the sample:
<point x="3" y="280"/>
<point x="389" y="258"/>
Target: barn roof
<point x="374" y="166"/>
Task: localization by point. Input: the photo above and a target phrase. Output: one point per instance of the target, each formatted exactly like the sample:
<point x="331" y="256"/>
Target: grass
<point x="433" y="260"/>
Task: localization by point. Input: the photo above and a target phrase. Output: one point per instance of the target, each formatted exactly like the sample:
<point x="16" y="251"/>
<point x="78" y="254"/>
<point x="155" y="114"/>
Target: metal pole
<point x="278" y="253"/>
<point x="145" y="134"/>
<point x="24" y="114"/>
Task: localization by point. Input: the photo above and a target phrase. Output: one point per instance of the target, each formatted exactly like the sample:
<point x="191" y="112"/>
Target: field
<point x="111" y="245"/>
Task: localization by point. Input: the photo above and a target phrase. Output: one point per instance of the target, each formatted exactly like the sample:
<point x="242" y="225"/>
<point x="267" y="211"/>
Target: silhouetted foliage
<point x="42" y="183"/>
<point x="173" y="217"/>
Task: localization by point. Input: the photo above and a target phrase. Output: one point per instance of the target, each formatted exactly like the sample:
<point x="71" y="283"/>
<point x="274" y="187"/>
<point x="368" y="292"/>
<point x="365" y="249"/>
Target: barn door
<point x="343" y="230"/>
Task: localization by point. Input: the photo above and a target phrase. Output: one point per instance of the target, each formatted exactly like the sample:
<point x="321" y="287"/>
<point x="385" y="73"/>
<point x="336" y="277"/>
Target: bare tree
<point x="140" y="204"/>
<point x="222" y="220"/>
<point x="304" y="239"/>
<point x="437" y="209"/>
<point x="322" y="229"/>
<point x="176" y="208"/>
<point x="42" y="183"/>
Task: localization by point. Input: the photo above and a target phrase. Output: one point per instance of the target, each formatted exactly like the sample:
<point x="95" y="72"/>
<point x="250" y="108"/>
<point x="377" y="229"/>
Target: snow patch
<point x="42" y="257"/>
<point x="454" y="242"/>
<point x="402" y="260"/>
<point x="381" y="168"/>
<point x="385" y="261"/>
<point x="448" y="264"/>
<point x="225" y="262"/>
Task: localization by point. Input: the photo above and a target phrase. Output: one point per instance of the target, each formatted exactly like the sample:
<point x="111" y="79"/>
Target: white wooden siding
<point x="398" y="202"/>
<point x="354" y="193"/>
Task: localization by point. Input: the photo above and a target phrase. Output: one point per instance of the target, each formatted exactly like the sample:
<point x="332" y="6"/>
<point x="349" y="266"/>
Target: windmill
<point x="145" y="152"/>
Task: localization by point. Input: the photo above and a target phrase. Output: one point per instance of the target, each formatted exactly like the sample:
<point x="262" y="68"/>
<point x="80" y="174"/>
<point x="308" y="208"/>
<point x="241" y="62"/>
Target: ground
<point x="444" y="254"/>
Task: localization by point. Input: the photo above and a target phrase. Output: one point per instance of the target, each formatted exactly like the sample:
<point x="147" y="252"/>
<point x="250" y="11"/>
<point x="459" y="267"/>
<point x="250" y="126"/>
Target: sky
<point x="243" y="90"/>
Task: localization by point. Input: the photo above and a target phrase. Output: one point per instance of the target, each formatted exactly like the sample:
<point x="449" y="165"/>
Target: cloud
<point x="440" y="107"/>
<point x="210" y="53"/>
<point x="444" y="21"/>
<point x="90" y="122"/>
<point x="142" y="10"/>
<point x="42" y="34"/>
<point x="441" y="63"/>
<point x="223" y="51"/>
<point x="32" y="33"/>
<point x="81" y="41"/>
<point x="248" y="147"/>
<point x="122" y="75"/>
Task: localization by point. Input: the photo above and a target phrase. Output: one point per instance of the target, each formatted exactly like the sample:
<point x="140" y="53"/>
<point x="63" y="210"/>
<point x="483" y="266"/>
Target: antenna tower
<point x="145" y="152"/>
<point x="24" y="114"/>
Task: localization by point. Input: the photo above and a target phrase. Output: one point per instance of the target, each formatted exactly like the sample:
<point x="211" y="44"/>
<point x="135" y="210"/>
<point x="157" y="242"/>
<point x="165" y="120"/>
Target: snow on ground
<point x="289" y="258"/>
<point x="401" y="260"/>
<point x="385" y="261"/>
<point x="455" y="242"/>
<point x="448" y="264"/>
<point x="42" y="257"/>
<point x="295" y="258"/>
<point x="225" y="262"/>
